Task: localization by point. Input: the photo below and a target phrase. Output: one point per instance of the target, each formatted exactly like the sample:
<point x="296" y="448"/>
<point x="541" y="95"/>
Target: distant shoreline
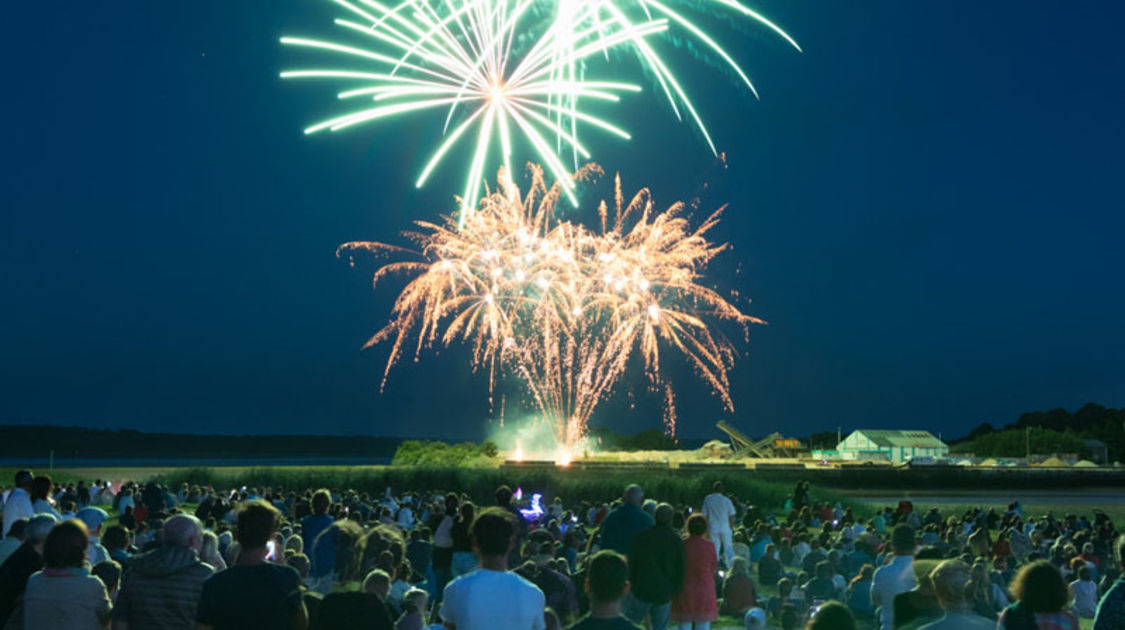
<point x="156" y="461"/>
<point x="41" y="443"/>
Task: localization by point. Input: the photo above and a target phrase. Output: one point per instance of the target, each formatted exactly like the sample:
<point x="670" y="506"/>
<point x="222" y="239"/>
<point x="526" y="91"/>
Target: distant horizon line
<point x="8" y="424"/>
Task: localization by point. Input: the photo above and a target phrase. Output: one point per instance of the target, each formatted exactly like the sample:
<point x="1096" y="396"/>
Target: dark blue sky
<point x="926" y="205"/>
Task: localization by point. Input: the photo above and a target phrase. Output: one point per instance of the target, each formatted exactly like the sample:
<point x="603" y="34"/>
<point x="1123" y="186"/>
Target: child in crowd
<point x="1085" y="594"/>
<point x="414" y="604"/>
<point x="109" y="572"/>
<point x="607" y="582"/>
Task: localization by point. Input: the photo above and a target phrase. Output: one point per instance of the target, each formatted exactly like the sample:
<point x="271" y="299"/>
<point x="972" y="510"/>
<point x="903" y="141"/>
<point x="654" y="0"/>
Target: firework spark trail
<point x="606" y="15"/>
<point x="455" y="53"/>
<point x="563" y="307"/>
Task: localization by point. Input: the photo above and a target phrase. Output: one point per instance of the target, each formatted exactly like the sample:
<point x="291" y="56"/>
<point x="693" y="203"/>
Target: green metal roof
<point x="916" y="439"/>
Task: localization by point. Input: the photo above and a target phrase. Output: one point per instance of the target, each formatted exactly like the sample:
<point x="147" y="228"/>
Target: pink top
<point x="697" y="601"/>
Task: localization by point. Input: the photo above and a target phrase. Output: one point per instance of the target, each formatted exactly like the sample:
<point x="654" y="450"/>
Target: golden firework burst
<point x="562" y="306"/>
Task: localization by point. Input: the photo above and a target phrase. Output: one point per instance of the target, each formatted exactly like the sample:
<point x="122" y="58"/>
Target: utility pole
<point x="1027" y="439"/>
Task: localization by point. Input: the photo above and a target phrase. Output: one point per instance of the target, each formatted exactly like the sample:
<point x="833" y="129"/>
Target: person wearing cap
<point x="22" y="564"/>
<point x="93" y="517"/>
<point x="755" y="619"/>
<point x="18" y="504"/>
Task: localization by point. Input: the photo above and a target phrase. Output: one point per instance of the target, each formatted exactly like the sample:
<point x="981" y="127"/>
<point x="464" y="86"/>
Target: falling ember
<point x="568" y="363"/>
<point x="669" y="410"/>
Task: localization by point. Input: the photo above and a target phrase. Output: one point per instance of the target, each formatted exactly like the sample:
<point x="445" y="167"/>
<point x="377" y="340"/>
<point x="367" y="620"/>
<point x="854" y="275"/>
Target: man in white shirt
<point x="18" y="504"/>
<point x="405" y="516"/>
<point x="801" y="549"/>
<point x="720" y="515"/>
<point x="897" y="576"/>
<point x="491" y="598"/>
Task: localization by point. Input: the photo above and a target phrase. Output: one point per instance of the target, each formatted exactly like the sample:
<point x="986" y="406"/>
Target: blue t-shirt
<point x="759" y="548"/>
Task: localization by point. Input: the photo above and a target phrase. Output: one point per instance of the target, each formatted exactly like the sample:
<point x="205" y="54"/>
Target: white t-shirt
<point x="890" y="580"/>
<point x="406" y="518"/>
<point x="719" y="510"/>
<point x="443" y="536"/>
<point x="16" y="507"/>
<point x="1085" y="598"/>
<point x="800" y="550"/>
<point x="493" y="600"/>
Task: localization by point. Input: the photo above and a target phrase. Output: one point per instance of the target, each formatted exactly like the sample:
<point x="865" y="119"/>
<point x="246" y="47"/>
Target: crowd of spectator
<point x="139" y="556"/>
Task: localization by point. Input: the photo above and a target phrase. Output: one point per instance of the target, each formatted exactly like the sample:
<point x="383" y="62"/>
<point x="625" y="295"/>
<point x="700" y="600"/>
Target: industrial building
<point x="894" y="446"/>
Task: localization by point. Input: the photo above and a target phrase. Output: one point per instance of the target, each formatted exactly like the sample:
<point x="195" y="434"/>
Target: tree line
<point x="80" y="442"/>
<point x="1053" y="431"/>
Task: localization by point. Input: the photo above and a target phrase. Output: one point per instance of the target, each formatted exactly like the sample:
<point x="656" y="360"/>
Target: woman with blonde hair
<point x="209" y="551"/>
<point x="985" y="598"/>
<point x="413" y="616"/>
<point x="740" y="594"/>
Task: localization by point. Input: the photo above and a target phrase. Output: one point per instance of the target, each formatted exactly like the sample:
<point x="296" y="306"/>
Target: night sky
<point x="926" y="205"/>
